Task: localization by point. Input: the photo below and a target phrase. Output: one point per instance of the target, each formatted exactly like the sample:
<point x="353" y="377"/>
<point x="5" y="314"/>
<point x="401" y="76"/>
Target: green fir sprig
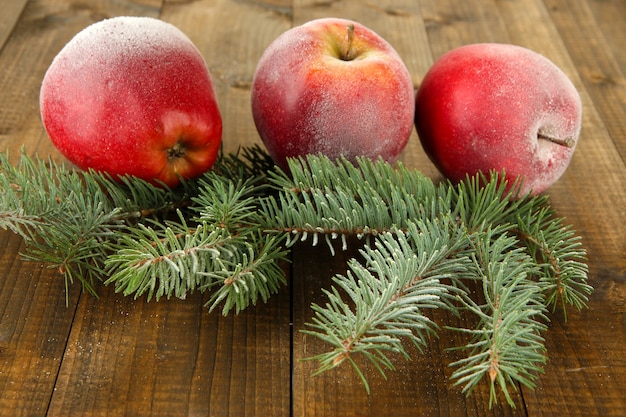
<point x="228" y="233"/>
<point x="402" y="274"/>
<point x="506" y="346"/>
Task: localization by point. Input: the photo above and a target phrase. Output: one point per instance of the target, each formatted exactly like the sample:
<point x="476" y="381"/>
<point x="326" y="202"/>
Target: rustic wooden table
<point x="118" y="356"/>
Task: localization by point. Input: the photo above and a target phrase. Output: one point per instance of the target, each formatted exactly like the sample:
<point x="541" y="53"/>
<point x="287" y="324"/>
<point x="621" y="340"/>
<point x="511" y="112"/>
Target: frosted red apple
<point x="487" y="107"/>
<point x="334" y="87"/>
<point x="133" y="96"/>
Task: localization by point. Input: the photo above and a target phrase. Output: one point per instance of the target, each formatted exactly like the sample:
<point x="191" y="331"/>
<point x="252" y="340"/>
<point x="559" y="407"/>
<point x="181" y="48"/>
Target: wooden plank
<point x="11" y="12"/>
<point x="244" y="365"/>
<point x="522" y="27"/>
<point x="587" y="358"/>
<point x="130" y="357"/>
<point x="452" y="23"/>
<point x="119" y="350"/>
<point x="606" y="12"/>
<point x="603" y="76"/>
<point x="245" y="361"/>
<point x="34" y="324"/>
<point x="118" y="356"/>
<point x="577" y="194"/>
<point x="35" y="321"/>
<point x="20" y="124"/>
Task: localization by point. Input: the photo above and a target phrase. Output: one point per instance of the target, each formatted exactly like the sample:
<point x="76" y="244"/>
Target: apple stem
<point x="348" y="54"/>
<point x="567" y="142"/>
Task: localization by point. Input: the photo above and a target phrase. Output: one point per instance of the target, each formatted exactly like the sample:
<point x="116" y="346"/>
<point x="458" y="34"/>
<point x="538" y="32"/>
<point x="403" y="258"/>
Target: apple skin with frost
<point x="133" y="96"/>
<point x="333" y="87"/>
<point x="499" y="107"/>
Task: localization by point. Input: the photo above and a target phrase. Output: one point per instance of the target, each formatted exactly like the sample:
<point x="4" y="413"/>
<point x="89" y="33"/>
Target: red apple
<point x="499" y="107"/>
<point x="334" y="87"/>
<point x="133" y="96"/>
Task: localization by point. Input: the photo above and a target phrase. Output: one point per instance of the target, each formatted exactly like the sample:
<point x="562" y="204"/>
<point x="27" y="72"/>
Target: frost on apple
<point x="134" y="36"/>
<point x="334" y="87"/>
<point x="108" y="99"/>
<point x="498" y="107"/>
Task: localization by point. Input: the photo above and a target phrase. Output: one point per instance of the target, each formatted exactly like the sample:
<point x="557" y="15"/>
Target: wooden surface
<point x="116" y="356"/>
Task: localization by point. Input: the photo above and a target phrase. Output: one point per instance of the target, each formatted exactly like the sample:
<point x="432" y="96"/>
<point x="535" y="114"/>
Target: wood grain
<point x="34" y="326"/>
<point x="117" y="356"/>
<point x="12" y="12"/>
<point x="603" y="75"/>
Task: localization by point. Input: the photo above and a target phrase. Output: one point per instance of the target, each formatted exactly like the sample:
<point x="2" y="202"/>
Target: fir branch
<point x="245" y="163"/>
<point x="137" y="199"/>
<point x="27" y="194"/>
<point x="401" y="276"/>
<point x="165" y="259"/>
<point x="254" y="270"/>
<point x="506" y="345"/>
<point x="229" y="203"/>
<point x="336" y="199"/>
<point x="74" y="220"/>
<point x="64" y="217"/>
<point x="559" y="252"/>
<point x="73" y="245"/>
<point x="251" y="272"/>
<point x="485" y="202"/>
<point x="225" y="252"/>
<point x="176" y="260"/>
<point x="424" y="244"/>
<point x="14" y="215"/>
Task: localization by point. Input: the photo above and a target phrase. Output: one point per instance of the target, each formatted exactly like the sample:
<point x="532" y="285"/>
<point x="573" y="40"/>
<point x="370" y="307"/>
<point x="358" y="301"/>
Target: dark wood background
<point x="122" y="357"/>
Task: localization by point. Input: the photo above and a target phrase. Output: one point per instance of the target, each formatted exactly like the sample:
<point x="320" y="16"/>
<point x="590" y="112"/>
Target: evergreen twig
<point x="228" y="233"/>
<point x="402" y="275"/>
<point x="328" y="200"/>
<point x="506" y="346"/>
